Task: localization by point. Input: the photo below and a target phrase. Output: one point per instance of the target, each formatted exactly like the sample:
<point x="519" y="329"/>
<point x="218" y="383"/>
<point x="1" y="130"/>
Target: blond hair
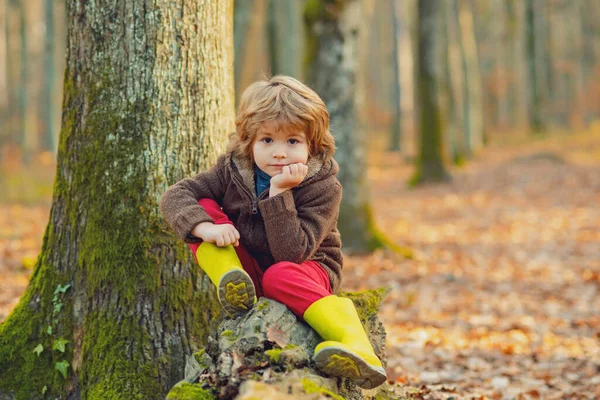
<point x="291" y="106"/>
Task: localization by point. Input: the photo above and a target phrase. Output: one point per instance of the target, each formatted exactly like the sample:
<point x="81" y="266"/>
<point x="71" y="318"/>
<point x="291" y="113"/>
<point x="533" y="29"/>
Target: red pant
<point x="295" y="285"/>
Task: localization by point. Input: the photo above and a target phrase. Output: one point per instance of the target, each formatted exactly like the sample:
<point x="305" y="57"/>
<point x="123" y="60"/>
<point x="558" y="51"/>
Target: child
<point x="263" y="222"/>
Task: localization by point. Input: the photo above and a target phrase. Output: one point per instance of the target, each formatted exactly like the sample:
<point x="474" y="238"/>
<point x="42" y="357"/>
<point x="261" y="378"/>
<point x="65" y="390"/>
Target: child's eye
<point x="293" y="141"/>
<point x="267" y="140"/>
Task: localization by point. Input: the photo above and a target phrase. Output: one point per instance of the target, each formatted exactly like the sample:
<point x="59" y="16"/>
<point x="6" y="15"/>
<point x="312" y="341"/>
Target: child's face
<point x="273" y="149"/>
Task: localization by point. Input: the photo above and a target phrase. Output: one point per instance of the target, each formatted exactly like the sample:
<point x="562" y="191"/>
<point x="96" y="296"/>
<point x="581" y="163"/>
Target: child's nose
<point x="279" y="152"/>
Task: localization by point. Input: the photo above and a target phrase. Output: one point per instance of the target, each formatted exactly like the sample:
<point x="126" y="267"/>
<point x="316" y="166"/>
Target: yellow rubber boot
<point x="346" y="351"/>
<point x="234" y="286"/>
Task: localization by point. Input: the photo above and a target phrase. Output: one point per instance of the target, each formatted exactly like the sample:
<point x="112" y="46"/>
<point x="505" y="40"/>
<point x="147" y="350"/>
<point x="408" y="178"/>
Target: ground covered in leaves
<point x="501" y="299"/>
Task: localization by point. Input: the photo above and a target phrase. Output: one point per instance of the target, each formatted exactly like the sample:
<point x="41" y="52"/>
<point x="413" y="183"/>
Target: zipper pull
<point x="255" y="206"/>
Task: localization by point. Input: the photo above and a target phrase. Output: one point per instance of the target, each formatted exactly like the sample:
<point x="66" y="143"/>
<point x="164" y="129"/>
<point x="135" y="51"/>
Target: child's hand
<point x="290" y="176"/>
<point x="221" y="235"/>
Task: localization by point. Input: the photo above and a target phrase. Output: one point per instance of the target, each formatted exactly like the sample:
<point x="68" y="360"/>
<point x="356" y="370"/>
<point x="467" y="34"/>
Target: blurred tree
<point x="48" y="105"/>
<point x="430" y="165"/>
<point x="23" y="92"/>
<point x="471" y="78"/>
<point x="456" y="130"/>
<point x="243" y="10"/>
<point x="333" y="27"/>
<point x="3" y="72"/>
<point x="398" y="31"/>
<point x="591" y="57"/>
<point x="250" y="39"/>
<point x="286" y="37"/>
<point x="114" y="302"/>
<point x="534" y="96"/>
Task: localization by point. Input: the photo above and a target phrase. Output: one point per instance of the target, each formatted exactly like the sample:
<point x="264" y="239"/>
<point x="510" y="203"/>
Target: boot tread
<point x="342" y="362"/>
<point x="236" y="292"/>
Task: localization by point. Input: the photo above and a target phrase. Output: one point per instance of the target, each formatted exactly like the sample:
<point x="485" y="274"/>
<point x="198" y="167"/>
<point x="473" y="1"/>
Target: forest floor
<point x="501" y="299"/>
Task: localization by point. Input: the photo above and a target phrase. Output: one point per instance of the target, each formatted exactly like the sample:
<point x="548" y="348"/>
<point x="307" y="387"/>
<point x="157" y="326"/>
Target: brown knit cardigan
<point x="297" y="225"/>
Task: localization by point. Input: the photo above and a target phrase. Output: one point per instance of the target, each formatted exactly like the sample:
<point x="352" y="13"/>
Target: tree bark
<point x="334" y="26"/>
<point x="430" y="164"/>
<point x="148" y="100"/>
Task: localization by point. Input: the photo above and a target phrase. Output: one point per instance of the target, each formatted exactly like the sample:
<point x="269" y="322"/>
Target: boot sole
<point x="236" y="292"/>
<point x="341" y="362"/>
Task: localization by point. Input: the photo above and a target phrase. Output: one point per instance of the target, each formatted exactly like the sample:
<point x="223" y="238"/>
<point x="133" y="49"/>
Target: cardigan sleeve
<point x="295" y="231"/>
<point x="179" y="204"/>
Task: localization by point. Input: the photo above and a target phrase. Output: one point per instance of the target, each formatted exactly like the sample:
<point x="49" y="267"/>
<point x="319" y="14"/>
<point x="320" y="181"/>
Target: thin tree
<point x="333" y="28"/>
<point x="285" y="34"/>
<point x="472" y="87"/>
<point x="48" y="105"/>
<point x="3" y="71"/>
<point x="398" y="30"/>
<point x="430" y="164"/>
<point x="115" y="303"/>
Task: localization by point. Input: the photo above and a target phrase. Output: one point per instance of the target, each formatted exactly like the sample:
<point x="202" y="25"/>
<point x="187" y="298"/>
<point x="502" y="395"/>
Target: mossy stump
<point x="266" y="354"/>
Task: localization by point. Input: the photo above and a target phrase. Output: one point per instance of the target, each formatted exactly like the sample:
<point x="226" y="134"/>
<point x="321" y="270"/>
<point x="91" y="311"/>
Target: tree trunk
<point x="243" y="10"/>
<point x="472" y="90"/>
<point x="396" y="131"/>
<point x="148" y="99"/>
<point x="430" y="165"/>
<point x="12" y="72"/>
<point x="456" y="86"/>
<point x="3" y="73"/>
<point x="23" y="92"/>
<point x="286" y="37"/>
<point x="534" y="96"/>
<point x="251" y="52"/>
<point x="517" y="59"/>
<point x="48" y="105"/>
<point x="334" y="26"/>
<point x="591" y="61"/>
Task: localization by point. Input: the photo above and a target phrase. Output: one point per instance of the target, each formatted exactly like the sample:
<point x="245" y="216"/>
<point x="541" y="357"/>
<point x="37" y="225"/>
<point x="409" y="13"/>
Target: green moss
<point x="310" y="387"/>
<point x="274" y="355"/>
<point x="263" y="305"/>
<point x="199" y="356"/>
<point x="377" y="239"/>
<point x="459" y="160"/>
<point x="367" y="302"/>
<point x="190" y="391"/>
<point x="21" y="370"/>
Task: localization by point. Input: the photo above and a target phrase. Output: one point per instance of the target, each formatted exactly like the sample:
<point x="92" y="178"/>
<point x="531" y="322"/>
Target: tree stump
<point x="266" y="354"/>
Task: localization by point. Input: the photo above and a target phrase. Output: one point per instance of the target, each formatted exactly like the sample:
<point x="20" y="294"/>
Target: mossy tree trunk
<point x="332" y="28"/>
<point x="148" y="99"/>
<point x="432" y="118"/>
